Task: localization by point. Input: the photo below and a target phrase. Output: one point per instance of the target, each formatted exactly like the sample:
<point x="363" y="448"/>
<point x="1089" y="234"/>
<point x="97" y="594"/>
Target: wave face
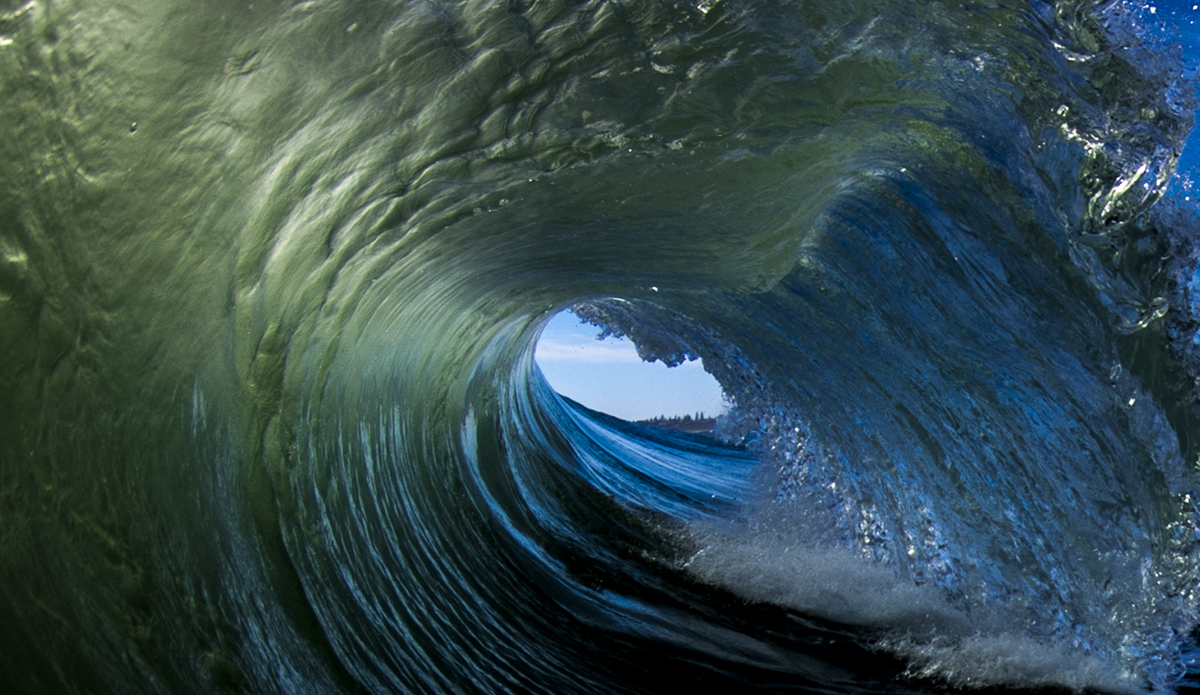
<point x="272" y="274"/>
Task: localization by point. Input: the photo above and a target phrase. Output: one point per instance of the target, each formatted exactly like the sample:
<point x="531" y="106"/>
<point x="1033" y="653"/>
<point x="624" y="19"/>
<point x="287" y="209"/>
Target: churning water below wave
<point x="271" y="276"/>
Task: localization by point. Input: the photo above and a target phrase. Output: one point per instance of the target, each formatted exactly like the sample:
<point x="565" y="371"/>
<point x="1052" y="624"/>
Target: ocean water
<point x="272" y="274"/>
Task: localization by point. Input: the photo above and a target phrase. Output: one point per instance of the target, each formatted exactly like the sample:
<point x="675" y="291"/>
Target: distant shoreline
<point x="699" y="424"/>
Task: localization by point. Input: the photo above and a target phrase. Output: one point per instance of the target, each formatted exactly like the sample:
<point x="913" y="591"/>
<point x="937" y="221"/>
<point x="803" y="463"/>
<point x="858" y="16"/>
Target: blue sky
<point x="607" y="375"/>
<point x="1177" y="20"/>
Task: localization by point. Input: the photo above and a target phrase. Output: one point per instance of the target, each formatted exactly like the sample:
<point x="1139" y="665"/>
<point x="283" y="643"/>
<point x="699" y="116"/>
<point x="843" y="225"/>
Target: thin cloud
<point x="594" y="352"/>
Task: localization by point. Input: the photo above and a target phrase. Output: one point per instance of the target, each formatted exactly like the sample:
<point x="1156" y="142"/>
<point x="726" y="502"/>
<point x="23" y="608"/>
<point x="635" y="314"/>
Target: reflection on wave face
<point x="272" y="276"/>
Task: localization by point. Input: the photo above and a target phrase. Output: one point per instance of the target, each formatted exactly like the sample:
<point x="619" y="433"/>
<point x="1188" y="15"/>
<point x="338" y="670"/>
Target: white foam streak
<point x="961" y="646"/>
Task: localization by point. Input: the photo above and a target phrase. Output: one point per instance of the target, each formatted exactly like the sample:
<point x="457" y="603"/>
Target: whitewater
<point x="272" y="275"/>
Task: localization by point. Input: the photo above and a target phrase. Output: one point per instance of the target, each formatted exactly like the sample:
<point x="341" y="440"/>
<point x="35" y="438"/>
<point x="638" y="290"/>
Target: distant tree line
<point x="685" y="423"/>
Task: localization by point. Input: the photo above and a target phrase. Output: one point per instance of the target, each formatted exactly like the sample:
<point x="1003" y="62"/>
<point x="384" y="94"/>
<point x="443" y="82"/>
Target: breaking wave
<point x="271" y="276"/>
